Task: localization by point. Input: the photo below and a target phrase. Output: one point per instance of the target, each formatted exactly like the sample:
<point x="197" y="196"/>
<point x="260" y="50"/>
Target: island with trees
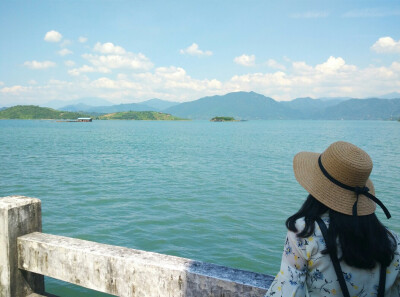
<point x="139" y="116"/>
<point x="224" y="119"/>
<point x="32" y="112"/>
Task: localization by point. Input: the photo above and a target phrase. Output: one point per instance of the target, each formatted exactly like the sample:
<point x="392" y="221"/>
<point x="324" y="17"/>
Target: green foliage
<point x="223" y="119"/>
<point x="32" y="112"/>
<point x="139" y="115"/>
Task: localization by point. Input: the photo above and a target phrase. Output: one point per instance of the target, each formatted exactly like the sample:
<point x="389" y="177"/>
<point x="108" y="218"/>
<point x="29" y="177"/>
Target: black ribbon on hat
<point x="358" y="190"/>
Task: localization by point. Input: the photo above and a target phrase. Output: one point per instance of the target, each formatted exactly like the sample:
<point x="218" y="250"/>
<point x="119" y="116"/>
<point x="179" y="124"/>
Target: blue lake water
<point x="215" y="192"/>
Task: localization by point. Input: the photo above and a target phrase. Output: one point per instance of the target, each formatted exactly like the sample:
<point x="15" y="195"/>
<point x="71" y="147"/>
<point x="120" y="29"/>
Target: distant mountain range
<point x="253" y="106"/>
<point x="89" y="101"/>
<point x="149" y="105"/>
<point x="393" y="95"/>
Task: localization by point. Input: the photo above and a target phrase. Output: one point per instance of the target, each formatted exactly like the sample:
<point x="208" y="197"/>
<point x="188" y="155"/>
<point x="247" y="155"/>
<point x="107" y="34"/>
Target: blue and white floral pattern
<point x="306" y="272"/>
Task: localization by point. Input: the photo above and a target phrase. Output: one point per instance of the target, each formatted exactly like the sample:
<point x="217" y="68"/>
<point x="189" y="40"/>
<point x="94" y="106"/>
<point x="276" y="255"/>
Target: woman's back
<point x="340" y="191"/>
<point x="305" y="268"/>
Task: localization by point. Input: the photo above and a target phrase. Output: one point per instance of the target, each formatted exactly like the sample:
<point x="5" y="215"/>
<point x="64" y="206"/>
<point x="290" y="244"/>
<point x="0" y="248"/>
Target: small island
<point x="223" y="119"/>
<point x="140" y="116"/>
<point x="32" y="112"/>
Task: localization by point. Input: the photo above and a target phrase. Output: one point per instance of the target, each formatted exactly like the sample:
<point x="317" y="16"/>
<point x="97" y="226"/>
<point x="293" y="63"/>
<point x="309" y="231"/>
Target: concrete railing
<point x="27" y="255"/>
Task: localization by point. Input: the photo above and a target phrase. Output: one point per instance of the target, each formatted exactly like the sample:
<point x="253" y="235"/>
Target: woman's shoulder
<point x="301" y="224"/>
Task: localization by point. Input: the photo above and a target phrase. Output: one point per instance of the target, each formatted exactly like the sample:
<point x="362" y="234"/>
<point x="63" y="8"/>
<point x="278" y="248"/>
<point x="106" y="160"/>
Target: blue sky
<point x="130" y="51"/>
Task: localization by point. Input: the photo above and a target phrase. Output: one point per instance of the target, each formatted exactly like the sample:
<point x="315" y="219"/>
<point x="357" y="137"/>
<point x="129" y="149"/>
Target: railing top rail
<point x="127" y="272"/>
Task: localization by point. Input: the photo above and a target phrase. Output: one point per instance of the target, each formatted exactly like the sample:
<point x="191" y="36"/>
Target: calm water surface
<point x="216" y="192"/>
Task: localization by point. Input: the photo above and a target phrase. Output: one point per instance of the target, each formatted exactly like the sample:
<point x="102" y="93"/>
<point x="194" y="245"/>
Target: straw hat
<point x="345" y="163"/>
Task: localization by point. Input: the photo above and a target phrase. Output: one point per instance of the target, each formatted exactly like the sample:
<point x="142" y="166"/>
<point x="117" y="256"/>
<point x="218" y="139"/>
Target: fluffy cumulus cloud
<point x="386" y="45"/>
<point x="128" y="61"/>
<point x="170" y="83"/>
<point x="52" y="36"/>
<point x="119" y="75"/>
<point x="245" y="60"/>
<point x="109" y="48"/>
<point x="194" y="50"/>
<point x="87" y="69"/>
<point x="39" y="65"/>
<point x="334" y="65"/>
<point x="112" y="57"/>
<point x="334" y="77"/>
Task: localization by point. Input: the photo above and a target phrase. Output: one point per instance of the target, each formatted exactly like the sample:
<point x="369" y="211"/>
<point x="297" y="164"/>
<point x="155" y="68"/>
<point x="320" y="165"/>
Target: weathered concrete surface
<point x="19" y="215"/>
<point x="38" y="295"/>
<point x="127" y="272"/>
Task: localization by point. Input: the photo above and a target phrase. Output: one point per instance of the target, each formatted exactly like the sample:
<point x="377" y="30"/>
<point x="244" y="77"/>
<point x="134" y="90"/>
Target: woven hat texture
<point x="346" y="163"/>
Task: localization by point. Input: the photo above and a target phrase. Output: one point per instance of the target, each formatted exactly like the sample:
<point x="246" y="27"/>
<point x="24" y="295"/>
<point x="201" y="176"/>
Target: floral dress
<point x="307" y="272"/>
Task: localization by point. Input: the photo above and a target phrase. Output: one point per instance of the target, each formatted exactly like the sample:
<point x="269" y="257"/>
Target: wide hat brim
<point x="311" y="178"/>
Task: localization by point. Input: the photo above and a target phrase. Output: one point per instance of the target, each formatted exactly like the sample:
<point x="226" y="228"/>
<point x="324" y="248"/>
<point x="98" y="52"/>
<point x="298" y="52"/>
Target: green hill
<point x="240" y="105"/>
<point x="363" y="109"/>
<point x="32" y="112"/>
<point x="139" y="115"/>
<point x="253" y="106"/>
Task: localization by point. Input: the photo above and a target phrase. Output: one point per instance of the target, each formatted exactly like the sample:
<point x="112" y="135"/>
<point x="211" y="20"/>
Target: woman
<point x="335" y="244"/>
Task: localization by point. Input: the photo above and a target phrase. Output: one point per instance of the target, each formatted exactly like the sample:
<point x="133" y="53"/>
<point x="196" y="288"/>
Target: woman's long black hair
<point x="363" y="240"/>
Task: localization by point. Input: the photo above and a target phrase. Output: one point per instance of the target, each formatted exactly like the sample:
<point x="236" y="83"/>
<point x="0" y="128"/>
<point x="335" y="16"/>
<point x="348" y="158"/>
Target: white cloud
<point x="195" y="51"/>
<point x="69" y="63"/>
<point x="113" y="57"/>
<point x="333" y="65"/>
<point x="277" y="79"/>
<point x="32" y="82"/>
<point x="86" y="69"/>
<point x="82" y="39"/>
<point x="127" y="61"/>
<point x="64" y="52"/>
<point x="301" y="67"/>
<point x="52" y="36"/>
<point x="245" y="60"/>
<point x="310" y="15"/>
<point x="1" y="83"/>
<point x="275" y="65"/>
<point x="331" y="78"/>
<point x="386" y="45"/>
<point x="39" y="65"/>
<point x="174" y="78"/>
<point x="109" y="48"/>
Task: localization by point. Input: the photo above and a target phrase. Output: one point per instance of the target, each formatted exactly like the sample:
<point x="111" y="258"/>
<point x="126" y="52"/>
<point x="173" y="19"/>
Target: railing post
<point x="19" y="215"/>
